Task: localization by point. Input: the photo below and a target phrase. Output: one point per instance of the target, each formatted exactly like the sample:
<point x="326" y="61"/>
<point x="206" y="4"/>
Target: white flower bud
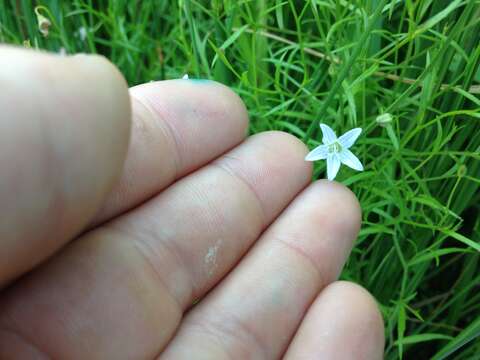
<point x="384" y="119"/>
<point x="43" y="23"/>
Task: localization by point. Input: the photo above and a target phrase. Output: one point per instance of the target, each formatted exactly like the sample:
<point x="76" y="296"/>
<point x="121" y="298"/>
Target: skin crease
<point x="143" y="202"/>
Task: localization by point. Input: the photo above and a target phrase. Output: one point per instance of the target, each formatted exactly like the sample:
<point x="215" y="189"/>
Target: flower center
<point x="335" y="147"/>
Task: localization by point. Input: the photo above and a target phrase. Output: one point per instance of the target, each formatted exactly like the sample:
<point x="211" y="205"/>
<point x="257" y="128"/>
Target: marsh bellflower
<point x="336" y="150"/>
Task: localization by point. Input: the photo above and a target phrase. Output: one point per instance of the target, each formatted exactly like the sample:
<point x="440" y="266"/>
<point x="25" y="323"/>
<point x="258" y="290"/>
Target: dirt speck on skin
<point x="211" y="257"/>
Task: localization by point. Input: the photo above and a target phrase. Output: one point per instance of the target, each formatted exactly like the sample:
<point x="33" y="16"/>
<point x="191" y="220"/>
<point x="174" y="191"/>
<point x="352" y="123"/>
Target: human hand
<point x="194" y="215"/>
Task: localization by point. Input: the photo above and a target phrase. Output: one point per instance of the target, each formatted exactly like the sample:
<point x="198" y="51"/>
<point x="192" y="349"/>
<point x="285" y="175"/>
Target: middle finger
<point x="119" y="291"/>
<point x="256" y="310"/>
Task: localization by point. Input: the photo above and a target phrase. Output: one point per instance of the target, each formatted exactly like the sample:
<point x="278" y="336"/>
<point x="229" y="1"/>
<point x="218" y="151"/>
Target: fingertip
<point x="344" y="202"/>
<point x="288" y="149"/>
<point x="223" y="111"/>
<point x="343" y="322"/>
<point x="289" y="153"/>
<point x="272" y="163"/>
<point x="297" y="145"/>
<point x="325" y="224"/>
<point x="99" y="67"/>
<point x="357" y="314"/>
<point x="109" y="86"/>
<point x="338" y="211"/>
<point x="365" y="304"/>
<point x="106" y="91"/>
<point x="189" y="122"/>
<point x="232" y="101"/>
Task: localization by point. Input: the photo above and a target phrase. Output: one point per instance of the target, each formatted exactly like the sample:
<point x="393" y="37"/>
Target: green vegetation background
<point x="344" y="63"/>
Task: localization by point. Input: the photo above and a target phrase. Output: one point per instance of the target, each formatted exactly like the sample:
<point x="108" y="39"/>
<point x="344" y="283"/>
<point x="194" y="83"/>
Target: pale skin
<point x="142" y="224"/>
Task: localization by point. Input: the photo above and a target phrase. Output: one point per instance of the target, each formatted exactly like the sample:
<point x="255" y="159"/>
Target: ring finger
<point x="256" y="310"/>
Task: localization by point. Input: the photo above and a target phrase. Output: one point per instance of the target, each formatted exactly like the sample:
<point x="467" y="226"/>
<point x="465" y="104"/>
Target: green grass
<point x="296" y="63"/>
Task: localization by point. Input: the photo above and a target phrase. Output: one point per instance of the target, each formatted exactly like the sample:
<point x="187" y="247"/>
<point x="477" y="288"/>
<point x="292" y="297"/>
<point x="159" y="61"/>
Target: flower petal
<point x="333" y="165"/>
<point x="319" y="153"/>
<point x="349" y="159"/>
<point x="349" y="138"/>
<point x="329" y="136"/>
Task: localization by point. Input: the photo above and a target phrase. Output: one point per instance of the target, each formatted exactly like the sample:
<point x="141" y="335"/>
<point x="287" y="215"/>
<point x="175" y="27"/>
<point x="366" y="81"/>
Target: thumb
<point x="64" y="132"/>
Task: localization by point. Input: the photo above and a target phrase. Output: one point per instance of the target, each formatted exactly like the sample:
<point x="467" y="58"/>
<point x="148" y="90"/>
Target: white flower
<point x="335" y="150"/>
<point x="185" y="77"/>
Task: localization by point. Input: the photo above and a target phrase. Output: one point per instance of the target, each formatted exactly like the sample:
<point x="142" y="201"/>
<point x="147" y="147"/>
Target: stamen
<point x="335" y="147"/>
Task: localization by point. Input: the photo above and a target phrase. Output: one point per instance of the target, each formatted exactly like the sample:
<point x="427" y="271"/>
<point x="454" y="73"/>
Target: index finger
<point x="177" y="127"/>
